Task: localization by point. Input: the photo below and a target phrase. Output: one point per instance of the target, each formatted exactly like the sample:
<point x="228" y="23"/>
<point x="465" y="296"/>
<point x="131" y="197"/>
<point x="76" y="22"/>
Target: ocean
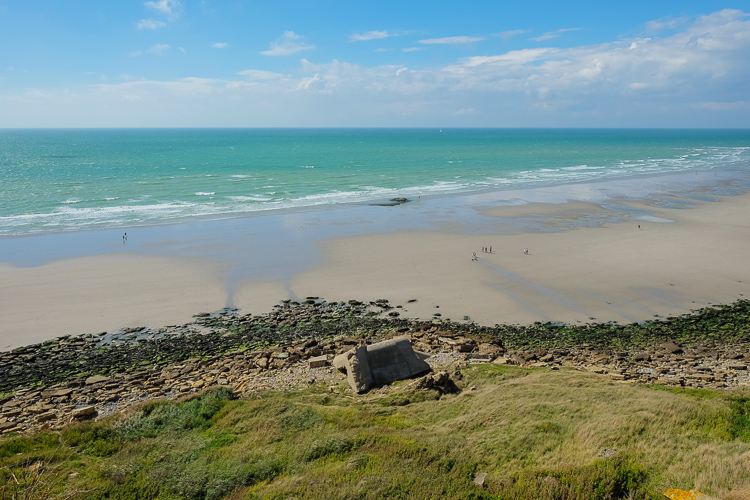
<point x="57" y="181"/>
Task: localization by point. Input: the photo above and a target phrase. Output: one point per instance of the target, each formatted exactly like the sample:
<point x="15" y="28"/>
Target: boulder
<point x="440" y="382"/>
<point x="380" y="364"/>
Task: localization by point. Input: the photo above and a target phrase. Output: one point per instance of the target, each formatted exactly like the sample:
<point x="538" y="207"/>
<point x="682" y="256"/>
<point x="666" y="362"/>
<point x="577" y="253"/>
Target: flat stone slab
<point x="478" y="358"/>
<point x="479" y="478"/>
<point x="97" y="379"/>
<point x="56" y="393"/>
<point x="318" y="361"/>
<point x="84" y="412"/>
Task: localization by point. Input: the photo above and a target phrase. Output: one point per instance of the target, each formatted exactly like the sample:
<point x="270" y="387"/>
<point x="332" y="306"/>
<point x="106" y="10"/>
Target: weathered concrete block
<point x="380" y="364"/>
<point x="359" y="372"/>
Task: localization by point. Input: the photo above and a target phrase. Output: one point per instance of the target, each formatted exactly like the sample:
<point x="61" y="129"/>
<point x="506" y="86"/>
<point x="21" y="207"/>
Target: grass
<point x="536" y="433"/>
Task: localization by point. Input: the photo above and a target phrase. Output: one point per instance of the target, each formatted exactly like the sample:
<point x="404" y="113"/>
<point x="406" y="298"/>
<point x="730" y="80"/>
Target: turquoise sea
<point x="54" y="181"/>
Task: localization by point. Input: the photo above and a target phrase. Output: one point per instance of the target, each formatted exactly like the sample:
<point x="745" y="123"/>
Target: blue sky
<point x="336" y="63"/>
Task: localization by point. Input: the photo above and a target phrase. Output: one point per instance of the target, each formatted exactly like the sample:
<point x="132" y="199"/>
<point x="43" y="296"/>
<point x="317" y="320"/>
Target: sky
<point x="384" y="63"/>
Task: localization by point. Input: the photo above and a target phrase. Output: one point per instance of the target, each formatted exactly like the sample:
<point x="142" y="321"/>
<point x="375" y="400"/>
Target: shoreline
<point x="587" y="260"/>
<point x="73" y="378"/>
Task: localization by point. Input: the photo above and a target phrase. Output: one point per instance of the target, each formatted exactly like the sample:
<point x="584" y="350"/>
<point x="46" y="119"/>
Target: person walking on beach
<point x="475" y="255"/>
<point x="125" y="237"/>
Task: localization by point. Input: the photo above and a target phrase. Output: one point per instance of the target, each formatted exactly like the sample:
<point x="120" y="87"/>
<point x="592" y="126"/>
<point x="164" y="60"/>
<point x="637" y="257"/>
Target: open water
<point x="54" y="181"/>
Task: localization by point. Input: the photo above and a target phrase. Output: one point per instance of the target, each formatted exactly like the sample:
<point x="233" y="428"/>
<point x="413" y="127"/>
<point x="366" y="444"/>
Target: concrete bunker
<point x="380" y="364"/>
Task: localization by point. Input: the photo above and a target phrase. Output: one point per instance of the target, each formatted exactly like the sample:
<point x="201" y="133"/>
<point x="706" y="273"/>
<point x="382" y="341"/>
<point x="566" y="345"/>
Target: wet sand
<point x="615" y="272"/>
<point x="586" y="260"/>
<point x="103" y="293"/>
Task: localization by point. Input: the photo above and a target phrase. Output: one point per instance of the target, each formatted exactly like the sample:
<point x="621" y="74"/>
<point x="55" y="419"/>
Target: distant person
<point x="526" y="251"/>
<point x="475" y="255"/>
<point x="125" y="237"/>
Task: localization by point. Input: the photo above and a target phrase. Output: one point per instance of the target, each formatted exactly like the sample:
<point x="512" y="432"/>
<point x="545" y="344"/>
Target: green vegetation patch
<point x="616" y="477"/>
<point x="740" y="418"/>
<point x="536" y="433"/>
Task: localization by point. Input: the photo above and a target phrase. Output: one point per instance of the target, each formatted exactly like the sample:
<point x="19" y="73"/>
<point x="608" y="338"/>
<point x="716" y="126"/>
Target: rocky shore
<point x="74" y="378"/>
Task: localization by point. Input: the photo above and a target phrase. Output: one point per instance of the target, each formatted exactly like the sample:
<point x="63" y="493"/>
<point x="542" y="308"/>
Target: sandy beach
<point x="580" y="267"/>
<point x="615" y="272"/>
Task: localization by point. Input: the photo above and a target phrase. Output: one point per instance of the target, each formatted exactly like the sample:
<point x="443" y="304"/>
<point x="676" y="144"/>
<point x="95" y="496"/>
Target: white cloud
<point x="256" y="74"/>
<point x="452" y="40"/>
<point x="412" y="49"/>
<point x="507" y="35"/>
<point x="158" y="49"/>
<point x="709" y="56"/>
<point x="369" y="35"/>
<point x="220" y="45"/>
<point x="142" y="89"/>
<point x="512" y="58"/>
<point x="150" y="24"/>
<point x="289" y="43"/>
<point x="169" y="8"/>
<point x="666" y="23"/>
<point x="553" y="34"/>
<point x="723" y="106"/>
<point x="638" y="85"/>
<point x="343" y="78"/>
<point x="694" y="77"/>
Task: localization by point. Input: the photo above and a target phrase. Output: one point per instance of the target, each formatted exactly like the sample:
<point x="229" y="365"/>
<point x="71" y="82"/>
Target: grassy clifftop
<point x="537" y="433"/>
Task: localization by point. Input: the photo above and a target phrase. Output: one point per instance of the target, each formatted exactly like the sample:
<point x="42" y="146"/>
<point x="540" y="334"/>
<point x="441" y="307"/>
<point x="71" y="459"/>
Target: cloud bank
<point x="697" y="75"/>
